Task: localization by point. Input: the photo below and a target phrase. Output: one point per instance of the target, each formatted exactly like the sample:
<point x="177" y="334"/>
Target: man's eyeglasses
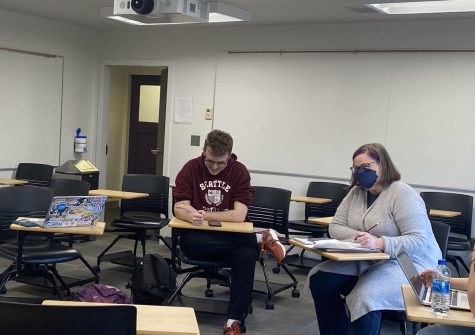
<point x="219" y="164"/>
<point x="355" y="169"/>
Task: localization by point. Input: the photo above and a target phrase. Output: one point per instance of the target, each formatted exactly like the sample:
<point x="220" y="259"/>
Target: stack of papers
<point x="333" y="245"/>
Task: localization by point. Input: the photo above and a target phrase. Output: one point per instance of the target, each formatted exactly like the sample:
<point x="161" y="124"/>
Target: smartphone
<point x="214" y="223"/>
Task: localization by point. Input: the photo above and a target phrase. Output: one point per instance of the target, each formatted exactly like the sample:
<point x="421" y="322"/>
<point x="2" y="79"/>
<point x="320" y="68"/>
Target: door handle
<point x="156" y="151"/>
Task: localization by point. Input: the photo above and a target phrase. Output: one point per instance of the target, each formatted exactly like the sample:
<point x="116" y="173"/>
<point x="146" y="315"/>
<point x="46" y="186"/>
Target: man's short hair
<point x="219" y="142"/>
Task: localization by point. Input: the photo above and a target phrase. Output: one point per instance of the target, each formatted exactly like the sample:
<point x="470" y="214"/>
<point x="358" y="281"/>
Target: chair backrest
<point x="156" y="186"/>
<point x="441" y="232"/>
<point x="36" y="174"/>
<point x="270" y="209"/>
<point x="66" y="187"/>
<point x="462" y="203"/>
<point x="31" y="319"/>
<point x="334" y="191"/>
<point x="28" y="201"/>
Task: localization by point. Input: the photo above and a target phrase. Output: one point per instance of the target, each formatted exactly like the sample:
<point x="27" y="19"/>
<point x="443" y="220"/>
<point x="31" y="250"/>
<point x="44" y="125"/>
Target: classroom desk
<point x="118" y="194"/>
<point x="419" y="313"/>
<point x="11" y="182"/>
<point x="444" y="214"/>
<point x="235" y="227"/>
<point x="95" y="230"/>
<point x="310" y="200"/>
<point x="343" y="256"/>
<point x="153" y="320"/>
<point x="323" y="220"/>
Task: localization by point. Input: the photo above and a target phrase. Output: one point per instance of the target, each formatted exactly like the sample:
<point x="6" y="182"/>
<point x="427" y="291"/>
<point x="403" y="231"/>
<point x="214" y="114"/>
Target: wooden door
<point x="146" y="118"/>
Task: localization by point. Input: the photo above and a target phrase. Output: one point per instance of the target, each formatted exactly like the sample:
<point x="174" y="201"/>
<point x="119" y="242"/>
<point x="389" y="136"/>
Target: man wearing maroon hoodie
<point x="215" y="186"/>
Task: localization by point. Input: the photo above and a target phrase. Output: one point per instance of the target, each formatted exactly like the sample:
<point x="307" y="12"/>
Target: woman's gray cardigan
<point x="402" y="218"/>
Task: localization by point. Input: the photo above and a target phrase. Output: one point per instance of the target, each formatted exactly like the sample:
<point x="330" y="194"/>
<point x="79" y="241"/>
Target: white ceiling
<point x="87" y="12"/>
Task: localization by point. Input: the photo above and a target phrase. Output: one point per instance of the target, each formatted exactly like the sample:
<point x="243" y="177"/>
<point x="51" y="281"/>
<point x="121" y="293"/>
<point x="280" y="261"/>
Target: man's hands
<point x="198" y="217"/>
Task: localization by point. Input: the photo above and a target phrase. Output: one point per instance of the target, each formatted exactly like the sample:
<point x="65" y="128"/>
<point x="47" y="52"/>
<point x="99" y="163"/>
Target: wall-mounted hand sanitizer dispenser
<point x="80" y="142"/>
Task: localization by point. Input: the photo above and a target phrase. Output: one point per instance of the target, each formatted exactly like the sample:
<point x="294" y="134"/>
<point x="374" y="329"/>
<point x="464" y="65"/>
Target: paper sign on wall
<point x="183" y="109"/>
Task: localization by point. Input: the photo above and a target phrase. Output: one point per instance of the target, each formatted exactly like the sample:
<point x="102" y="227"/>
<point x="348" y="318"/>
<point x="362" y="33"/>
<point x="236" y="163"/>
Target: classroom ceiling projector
<point x="163" y="11"/>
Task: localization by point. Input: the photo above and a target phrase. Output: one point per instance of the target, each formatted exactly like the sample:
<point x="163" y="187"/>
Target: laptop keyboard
<point x="454" y="297"/>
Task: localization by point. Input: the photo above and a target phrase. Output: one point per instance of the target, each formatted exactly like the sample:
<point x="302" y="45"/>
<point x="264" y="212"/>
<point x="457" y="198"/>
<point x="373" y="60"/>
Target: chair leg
<point x="403" y="327"/>
<point x="107" y="249"/>
<point x="269" y="304"/>
<point x="6" y="276"/>
<point x="56" y="289"/>
<point x="57" y="276"/>
<point x="164" y="240"/>
<point x="177" y="291"/>
<point x="94" y="273"/>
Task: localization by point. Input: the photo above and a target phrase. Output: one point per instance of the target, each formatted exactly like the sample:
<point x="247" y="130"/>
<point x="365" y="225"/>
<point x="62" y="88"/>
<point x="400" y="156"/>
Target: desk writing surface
<point x="6" y="181"/>
<point x="327" y="220"/>
<point x="419" y="313"/>
<point x="118" y="194"/>
<point x="444" y="214"/>
<point x="310" y="200"/>
<point x="234" y="227"/>
<point x="343" y="256"/>
<point x="158" y="320"/>
<point x="96" y="230"/>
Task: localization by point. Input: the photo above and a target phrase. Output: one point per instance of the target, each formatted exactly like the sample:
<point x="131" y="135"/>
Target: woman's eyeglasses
<point x="366" y="166"/>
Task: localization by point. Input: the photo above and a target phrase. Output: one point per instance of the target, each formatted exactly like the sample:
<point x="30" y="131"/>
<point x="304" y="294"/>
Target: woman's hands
<point x="427" y="276"/>
<point x="369" y="241"/>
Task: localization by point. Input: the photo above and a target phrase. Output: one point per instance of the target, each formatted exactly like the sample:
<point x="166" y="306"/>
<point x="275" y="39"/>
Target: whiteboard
<point x="30" y="108"/>
<point x="306" y="113"/>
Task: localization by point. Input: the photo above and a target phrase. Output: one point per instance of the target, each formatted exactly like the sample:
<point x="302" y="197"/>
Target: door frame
<point x="103" y="111"/>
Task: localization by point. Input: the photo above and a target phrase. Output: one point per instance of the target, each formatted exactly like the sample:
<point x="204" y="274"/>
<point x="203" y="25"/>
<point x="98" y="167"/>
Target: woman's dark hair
<point x="388" y="173"/>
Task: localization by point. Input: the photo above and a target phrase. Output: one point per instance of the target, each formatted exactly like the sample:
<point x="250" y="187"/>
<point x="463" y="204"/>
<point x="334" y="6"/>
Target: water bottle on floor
<point x="440" y="294"/>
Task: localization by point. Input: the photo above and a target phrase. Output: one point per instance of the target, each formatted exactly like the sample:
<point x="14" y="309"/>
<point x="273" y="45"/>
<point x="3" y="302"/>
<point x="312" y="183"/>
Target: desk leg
<point x="6" y="275"/>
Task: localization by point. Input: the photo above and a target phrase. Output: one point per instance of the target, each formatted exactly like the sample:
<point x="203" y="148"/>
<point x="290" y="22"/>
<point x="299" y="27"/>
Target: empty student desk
<point x="118" y="194"/>
<point x="310" y="200"/>
<point x="444" y="214"/>
<point x="327" y="220"/>
<point x="419" y="313"/>
<point x="154" y="320"/>
<point x="6" y="181"/>
<point x="343" y="256"/>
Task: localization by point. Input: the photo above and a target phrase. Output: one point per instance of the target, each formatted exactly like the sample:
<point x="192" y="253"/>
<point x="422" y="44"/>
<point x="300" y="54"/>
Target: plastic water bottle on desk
<point x="440" y="295"/>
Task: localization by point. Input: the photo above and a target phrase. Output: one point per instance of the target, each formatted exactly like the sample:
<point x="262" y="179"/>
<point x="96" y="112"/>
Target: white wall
<point x="79" y="47"/>
<point x="194" y="50"/>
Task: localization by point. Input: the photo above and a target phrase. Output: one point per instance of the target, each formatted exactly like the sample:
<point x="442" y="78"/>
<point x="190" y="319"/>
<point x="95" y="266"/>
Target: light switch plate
<point x="209" y="114"/>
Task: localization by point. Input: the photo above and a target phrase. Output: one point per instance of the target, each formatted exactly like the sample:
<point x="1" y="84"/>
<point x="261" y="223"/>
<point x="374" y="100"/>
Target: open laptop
<point x="458" y="298"/>
<point x="72" y="211"/>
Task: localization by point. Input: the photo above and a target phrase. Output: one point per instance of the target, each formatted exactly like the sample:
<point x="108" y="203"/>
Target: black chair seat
<point x="459" y="246"/>
<point x="41" y="253"/>
<point x="139" y="224"/>
<point x="309" y="228"/>
<point x="142" y="216"/>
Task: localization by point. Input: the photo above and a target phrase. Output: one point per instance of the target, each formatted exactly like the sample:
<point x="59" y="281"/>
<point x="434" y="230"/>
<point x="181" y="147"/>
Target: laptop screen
<point x="74" y="211"/>
<point x="411" y="273"/>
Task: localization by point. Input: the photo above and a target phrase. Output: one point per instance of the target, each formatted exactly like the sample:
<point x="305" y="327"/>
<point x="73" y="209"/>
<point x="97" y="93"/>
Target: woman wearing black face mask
<point x="380" y="212"/>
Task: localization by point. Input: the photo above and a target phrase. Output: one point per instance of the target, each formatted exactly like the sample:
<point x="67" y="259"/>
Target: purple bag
<point x="102" y="293"/>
